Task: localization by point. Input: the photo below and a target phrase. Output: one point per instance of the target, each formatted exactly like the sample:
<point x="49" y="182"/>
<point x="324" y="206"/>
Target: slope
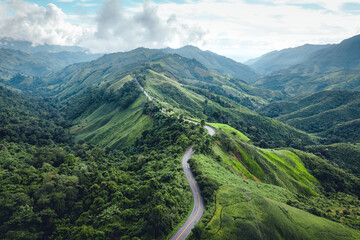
<point x="217" y="62"/>
<point x="30" y="120"/>
<point x="199" y="103"/>
<point x="109" y="116"/>
<point x="248" y="190"/>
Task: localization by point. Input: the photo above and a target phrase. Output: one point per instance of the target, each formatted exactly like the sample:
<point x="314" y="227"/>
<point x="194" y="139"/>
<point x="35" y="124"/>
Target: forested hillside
<point x="323" y="113"/>
<point x="66" y="191"/>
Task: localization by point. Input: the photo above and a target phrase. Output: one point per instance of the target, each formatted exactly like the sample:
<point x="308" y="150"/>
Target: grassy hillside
<point x="185" y="87"/>
<point x="331" y="114"/>
<point x="109" y="115"/>
<point x="241" y="214"/>
<point x="108" y="126"/>
<point x="248" y="190"/>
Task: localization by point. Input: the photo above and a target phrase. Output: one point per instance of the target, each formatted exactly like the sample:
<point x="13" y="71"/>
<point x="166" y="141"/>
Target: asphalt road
<point x="184" y="231"/>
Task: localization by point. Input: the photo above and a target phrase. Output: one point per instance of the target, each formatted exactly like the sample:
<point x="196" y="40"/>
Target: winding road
<point x="184" y="231"/>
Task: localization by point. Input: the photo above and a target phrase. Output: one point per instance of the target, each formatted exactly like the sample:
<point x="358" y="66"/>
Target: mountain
<point x="342" y="56"/>
<point x="180" y="85"/>
<point x="28" y="47"/>
<point x="13" y="62"/>
<point x="277" y="60"/>
<point x="334" y="67"/>
<point x="334" y="114"/>
<point x="22" y="57"/>
<point x="217" y="62"/>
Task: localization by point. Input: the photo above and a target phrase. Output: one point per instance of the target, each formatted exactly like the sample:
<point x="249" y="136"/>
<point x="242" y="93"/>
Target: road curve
<point x="183" y="232"/>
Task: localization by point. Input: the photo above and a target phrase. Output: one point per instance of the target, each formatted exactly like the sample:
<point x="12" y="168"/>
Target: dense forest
<point x="65" y="191"/>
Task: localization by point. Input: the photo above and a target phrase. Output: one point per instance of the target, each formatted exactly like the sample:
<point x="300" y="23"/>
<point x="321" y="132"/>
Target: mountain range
<point x="85" y="153"/>
<point x="333" y="67"/>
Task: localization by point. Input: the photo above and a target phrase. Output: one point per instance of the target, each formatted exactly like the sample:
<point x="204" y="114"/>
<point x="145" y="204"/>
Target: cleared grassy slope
<point x="241" y="214"/>
<point x="108" y="126"/>
<point x="255" y="186"/>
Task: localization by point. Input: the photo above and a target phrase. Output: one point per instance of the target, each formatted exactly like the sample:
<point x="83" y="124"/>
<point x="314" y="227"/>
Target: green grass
<point x="118" y="84"/>
<point x="291" y="164"/>
<point x="279" y="167"/>
<point x="241" y="214"/>
<point x="108" y="126"/>
<point x="238" y="135"/>
<point x="228" y="176"/>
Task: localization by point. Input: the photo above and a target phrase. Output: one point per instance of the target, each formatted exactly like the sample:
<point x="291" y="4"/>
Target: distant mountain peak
<point x="216" y="62"/>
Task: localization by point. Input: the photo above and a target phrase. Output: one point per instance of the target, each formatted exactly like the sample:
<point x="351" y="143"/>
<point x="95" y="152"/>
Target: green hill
<point x="13" y="62"/>
<point x="258" y="208"/>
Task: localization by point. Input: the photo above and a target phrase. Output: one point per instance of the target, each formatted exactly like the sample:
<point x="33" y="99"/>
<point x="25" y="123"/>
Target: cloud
<point x="119" y="29"/>
<point x="240" y="29"/>
<point x="244" y="29"/>
<point x="39" y="25"/>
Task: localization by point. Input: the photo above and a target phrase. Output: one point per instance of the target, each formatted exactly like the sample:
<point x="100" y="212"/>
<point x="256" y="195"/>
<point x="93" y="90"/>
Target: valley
<point x="180" y="144"/>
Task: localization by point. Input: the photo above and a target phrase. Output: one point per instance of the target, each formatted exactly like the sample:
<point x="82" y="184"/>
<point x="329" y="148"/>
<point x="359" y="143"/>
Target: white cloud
<point x="236" y="28"/>
<point x="38" y="24"/>
<point x="120" y="29"/>
<point x="241" y="30"/>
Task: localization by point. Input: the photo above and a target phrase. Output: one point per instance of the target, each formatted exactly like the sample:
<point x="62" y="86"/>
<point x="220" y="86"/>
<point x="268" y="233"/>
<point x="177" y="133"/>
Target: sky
<point x="239" y="29"/>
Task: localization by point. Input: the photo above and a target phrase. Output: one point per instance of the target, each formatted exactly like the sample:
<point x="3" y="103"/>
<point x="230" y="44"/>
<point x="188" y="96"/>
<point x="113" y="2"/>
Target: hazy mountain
<point x="344" y="55"/>
<point x="28" y="47"/>
<point x="277" y="60"/>
<point x="22" y="57"/>
<point x="217" y="62"/>
<point x="334" y="67"/>
<point x="14" y="61"/>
